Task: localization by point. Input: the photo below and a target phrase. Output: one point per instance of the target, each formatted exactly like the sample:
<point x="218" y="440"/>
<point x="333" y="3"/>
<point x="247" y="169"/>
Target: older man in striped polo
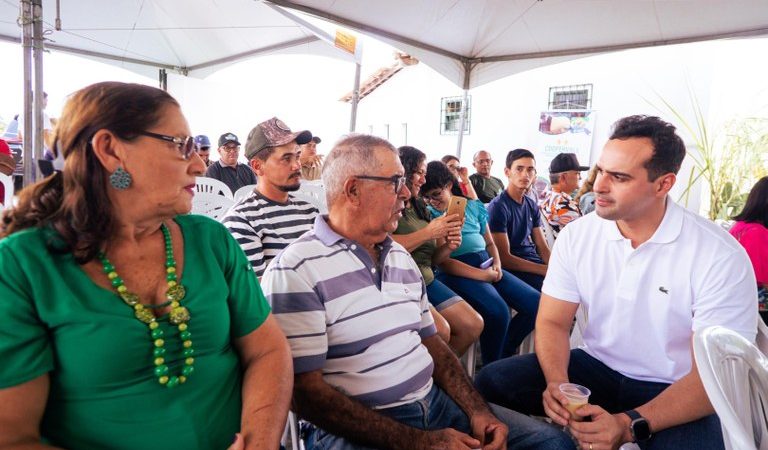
<point x="370" y="372"/>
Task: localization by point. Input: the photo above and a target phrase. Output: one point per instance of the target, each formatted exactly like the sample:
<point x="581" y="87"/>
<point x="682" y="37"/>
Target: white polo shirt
<point x="644" y="304"/>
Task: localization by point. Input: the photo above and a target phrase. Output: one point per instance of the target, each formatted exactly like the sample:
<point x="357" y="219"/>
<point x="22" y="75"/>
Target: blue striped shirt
<point x="360" y="325"/>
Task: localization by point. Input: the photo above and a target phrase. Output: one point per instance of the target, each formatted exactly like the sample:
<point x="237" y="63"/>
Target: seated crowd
<point x="129" y="323"/>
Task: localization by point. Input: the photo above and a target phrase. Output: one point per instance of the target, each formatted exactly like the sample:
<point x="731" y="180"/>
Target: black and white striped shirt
<point x="264" y="227"/>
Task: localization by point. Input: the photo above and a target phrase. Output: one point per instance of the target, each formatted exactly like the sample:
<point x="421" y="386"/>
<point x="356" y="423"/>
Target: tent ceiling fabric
<point x="508" y="36"/>
<point x="189" y="36"/>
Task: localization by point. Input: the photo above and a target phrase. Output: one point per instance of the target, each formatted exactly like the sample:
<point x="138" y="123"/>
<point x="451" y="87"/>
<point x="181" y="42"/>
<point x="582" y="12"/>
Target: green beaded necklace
<point x="178" y="316"/>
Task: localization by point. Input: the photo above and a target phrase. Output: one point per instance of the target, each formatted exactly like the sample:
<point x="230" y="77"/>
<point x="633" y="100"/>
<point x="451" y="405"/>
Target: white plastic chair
<point x="243" y="192"/>
<point x="7" y="182"/>
<point x="735" y="376"/>
<point x="546" y="228"/>
<point x="469" y="359"/>
<point x="208" y="185"/>
<point x="577" y="334"/>
<point x="314" y="193"/>
<point x="211" y="205"/>
<point x="762" y="336"/>
<point x="291" y="434"/>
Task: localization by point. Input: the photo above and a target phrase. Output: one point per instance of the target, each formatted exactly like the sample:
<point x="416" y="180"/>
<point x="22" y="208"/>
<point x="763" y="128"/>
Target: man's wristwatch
<point x="638" y="427"/>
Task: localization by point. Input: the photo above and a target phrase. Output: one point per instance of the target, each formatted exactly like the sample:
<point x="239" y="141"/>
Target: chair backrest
<point x="313" y="192"/>
<point x="549" y="233"/>
<point x="243" y="192"/>
<point x="7" y="182"/>
<point x="211" y="205"/>
<point x="735" y="376"/>
<point x="762" y="336"/>
<point x="577" y="333"/>
<point x="208" y="185"/>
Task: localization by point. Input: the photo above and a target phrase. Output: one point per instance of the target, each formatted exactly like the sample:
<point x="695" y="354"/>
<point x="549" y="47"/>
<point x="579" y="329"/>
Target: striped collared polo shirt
<point x="360" y="325"/>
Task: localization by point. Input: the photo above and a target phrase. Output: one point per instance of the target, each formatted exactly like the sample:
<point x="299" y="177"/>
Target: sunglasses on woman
<point x="185" y="145"/>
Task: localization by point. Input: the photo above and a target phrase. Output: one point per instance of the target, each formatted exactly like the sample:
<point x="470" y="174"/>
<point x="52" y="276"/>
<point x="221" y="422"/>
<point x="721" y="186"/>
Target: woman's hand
<point x="497" y="268"/>
<point x="444" y="226"/>
<point x="238" y="444"/>
<point x="490" y="275"/>
<point x="464" y="174"/>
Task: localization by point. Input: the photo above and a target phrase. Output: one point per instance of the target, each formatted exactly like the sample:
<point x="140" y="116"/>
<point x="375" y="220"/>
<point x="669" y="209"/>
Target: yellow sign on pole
<point x="345" y="41"/>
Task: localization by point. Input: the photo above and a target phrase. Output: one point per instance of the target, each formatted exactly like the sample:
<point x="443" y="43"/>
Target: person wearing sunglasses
<point x="227" y="169"/>
<point x="127" y="322"/>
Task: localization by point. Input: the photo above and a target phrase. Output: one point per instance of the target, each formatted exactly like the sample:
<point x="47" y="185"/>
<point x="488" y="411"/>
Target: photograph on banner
<point x="564" y="131"/>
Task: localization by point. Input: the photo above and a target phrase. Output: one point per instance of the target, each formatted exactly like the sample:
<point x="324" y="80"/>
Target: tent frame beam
<point x="184" y="70"/>
<point x="512" y="57"/>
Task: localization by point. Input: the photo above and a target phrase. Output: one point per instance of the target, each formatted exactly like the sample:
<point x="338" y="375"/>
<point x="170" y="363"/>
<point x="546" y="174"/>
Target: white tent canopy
<point x="473" y="42"/>
<point x="191" y="37"/>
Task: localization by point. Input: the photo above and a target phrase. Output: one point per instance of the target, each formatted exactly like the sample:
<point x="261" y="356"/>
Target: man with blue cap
<point x="203" y="148"/>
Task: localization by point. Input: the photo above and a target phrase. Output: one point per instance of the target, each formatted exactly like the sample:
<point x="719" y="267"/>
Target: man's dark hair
<point x="438" y="176"/>
<point x="516" y="154"/>
<point x="756" y="207"/>
<point x="668" y="147"/>
<point x="448" y="158"/>
<point x="411" y="158"/>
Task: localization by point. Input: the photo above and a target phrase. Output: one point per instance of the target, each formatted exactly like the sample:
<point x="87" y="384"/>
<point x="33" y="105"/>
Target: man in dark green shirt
<point x="486" y="186"/>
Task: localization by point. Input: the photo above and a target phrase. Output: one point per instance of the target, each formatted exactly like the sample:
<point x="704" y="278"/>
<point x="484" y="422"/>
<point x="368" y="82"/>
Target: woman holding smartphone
<point x="488" y="288"/>
<point x="430" y="242"/>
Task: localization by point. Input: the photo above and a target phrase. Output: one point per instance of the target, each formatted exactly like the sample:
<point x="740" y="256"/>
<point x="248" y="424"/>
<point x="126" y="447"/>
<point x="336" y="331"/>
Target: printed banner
<point x="564" y="132"/>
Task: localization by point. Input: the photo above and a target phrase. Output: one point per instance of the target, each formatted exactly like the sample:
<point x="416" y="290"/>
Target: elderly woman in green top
<point x="126" y="323"/>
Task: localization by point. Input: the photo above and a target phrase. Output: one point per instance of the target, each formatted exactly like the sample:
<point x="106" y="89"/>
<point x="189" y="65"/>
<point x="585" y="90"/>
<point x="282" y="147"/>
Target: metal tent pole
<point x="26" y="46"/>
<point x="355" y="99"/>
<point x="463" y="116"/>
<point x="37" y="40"/>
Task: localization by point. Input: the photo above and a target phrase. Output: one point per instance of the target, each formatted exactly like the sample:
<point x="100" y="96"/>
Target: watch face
<point x="640" y="430"/>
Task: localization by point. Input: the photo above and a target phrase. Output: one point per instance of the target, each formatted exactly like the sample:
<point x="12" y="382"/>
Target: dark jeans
<point x="437" y="411"/>
<point x="500" y="336"/>
<point x="518" y="383"/>
<point x="533" y="280"/>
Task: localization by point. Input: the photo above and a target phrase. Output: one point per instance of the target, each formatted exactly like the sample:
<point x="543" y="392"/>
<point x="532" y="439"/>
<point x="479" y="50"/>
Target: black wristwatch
<point x="638" y="427"/>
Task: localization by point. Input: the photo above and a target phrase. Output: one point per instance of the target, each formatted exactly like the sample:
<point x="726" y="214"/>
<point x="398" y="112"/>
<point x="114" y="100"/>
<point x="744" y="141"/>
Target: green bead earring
<point x="120" y="179"/>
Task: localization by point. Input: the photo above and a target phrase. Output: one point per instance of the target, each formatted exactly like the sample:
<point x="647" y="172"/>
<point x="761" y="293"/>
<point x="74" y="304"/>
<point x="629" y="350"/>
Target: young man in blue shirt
<point x="514" y="221"/>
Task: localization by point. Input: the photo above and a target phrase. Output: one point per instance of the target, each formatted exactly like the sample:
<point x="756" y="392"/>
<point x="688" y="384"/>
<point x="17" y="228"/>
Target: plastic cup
<point x="577" y="396"/>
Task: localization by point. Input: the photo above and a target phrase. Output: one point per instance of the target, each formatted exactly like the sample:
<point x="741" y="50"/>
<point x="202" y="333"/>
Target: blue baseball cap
<point x="202" y="140"/>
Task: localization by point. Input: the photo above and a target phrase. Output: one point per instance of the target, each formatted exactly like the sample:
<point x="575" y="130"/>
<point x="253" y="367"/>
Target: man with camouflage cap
<point x="270" y="218"/>
<point x="227" y="169"/>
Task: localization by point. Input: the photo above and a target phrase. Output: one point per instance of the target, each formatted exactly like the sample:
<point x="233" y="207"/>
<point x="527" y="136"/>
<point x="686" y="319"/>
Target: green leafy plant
<point x="729" y="161"/>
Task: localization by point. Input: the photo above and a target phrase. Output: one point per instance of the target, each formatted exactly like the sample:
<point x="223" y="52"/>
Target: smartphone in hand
<point x="457" y="206"/>
<point x="487" y="263"/>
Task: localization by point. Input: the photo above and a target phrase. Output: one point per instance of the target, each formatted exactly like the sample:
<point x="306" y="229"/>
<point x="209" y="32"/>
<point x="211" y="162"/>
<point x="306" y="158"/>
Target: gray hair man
<point x="370" y="370"/>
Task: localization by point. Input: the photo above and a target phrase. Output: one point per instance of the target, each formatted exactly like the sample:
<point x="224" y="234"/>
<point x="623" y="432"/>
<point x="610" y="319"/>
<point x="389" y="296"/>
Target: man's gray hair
<point x="352" y="155"/>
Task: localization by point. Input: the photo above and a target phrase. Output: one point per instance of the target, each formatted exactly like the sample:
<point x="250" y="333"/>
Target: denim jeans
<point x="533" y="280"/>
<point x="518" y="383"/>
<point x="500" y="336"/>
<point x="437" y="411"/>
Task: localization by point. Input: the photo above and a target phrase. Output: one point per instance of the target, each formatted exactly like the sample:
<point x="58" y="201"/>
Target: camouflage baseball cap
<point x="273" y="133"/>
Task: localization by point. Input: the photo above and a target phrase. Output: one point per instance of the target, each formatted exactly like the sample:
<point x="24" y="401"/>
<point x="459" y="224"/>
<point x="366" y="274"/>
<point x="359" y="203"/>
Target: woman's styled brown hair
<point x="74" y="202"/>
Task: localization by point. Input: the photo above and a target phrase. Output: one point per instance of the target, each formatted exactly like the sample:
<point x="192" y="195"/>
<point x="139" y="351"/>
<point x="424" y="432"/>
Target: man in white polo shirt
<point x="648" y="274"/>
<point x="370" y="372"/>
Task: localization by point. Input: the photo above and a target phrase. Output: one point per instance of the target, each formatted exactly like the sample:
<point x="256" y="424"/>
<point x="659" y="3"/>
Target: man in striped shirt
<point x="269" y="219"/>
<point x="370" y="372"/>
